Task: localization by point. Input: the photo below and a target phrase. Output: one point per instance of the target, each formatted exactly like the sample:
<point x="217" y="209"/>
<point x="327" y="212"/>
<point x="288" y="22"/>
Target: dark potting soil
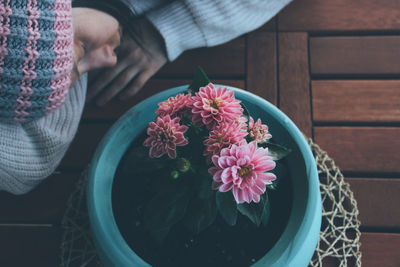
<point x="218" y="245"/>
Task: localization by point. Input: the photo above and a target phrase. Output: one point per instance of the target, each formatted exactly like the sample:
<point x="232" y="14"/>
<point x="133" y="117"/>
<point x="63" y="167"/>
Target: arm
<point x="186" y="25"/>
<point x="171" y="28"/>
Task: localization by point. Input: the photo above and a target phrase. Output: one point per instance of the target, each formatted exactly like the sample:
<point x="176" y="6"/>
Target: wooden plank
<point x="222" y="61"/>
<point x="377" y="201"/>
<point x="340" y="15"/>
<point x="39" y="246"/>
<point x="29" y="246"/>
<point x="84" y="145"/>
<point x="117" y="108"/>
<point x="361" y="149"/>
<point x="355" y="55"/>
<point x="380" y="249"/>
<point x="44" y="204"/>
<point x="294" y="79"/>
<point x="270" y="26"/>
<point x="356" y="101"/>
<point x="261" y="65"/>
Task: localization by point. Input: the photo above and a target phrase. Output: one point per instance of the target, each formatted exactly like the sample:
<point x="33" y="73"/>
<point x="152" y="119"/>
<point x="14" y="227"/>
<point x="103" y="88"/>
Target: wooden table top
<point x="332" y="66"/>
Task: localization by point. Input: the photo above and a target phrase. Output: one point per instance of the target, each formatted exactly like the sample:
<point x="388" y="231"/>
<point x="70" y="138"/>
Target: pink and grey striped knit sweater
<point x="36" y="57"/>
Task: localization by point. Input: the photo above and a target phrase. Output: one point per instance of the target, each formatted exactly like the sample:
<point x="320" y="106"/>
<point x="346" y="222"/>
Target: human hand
<point x="136" y="64"/>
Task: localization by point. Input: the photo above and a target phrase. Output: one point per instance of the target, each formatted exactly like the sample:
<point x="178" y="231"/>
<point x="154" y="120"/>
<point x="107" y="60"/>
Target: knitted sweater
<point x="30" y="152"/>
<point x="208" y="23"/>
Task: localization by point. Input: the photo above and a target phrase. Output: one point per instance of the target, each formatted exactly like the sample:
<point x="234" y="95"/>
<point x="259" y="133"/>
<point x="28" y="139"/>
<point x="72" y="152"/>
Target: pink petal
<point x="237" y="193"/>
<point x="256" y="198"/>
<point x="253" y="147"/>
<point x="230" y="161"/>
<point x="226" y="174"/>
<point x="225" y="187"/>
<point x="171" y="153"/>
<point x="215" y="160"/>
<point x="242" y="151"/>
<point x="246" y="195"/>
<point x="244" y="161"/>
<point x="265" y="166"/>
<point x="226" y="151"/>
<point x="267" y="177"/>
<point x="258" y="188"/>
<point x="234" y="172"/>
<point x="226" y="161"/>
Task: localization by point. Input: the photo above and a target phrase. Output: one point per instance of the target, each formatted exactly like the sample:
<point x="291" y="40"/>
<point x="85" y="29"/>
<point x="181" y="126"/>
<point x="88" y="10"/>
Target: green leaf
<point x="205" y="190"/>
<point x="166" y="209"/>
<point x="276" y="151"/>
<point x="200" y="79"/>
<point x="266" y="210"/>
<point x="272" y="186"/>
<point x="201" y="214"/>
<point x="257" y="212"/>
<point x="281" y="172"/>
<point x="227" y="207"/>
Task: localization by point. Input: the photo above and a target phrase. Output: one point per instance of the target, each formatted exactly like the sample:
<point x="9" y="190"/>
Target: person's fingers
<point x="118" y="84"/>
<point x="104" y="78"/>
<point x="137" y="84"/>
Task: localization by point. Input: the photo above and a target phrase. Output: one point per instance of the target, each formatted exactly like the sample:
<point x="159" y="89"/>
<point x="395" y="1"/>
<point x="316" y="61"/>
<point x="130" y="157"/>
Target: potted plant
<point x="161" y="210"/>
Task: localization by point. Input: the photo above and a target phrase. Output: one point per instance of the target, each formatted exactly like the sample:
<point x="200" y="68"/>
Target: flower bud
<point x="175" y="174"/>
<point x="183" y="165"/>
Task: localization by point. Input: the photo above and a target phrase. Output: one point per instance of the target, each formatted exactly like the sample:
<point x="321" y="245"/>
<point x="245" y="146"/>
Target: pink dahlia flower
<point x="224" y="135"/>
<point x="175" y="105"/>
<point x="213" y="105"/>
<point x="243" y="169"/>
<point x="164" y="135"/>
<point x="258" y="132"/>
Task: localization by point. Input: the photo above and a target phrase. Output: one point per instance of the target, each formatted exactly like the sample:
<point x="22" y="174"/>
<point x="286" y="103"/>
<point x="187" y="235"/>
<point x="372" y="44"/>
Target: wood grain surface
<point x="355" y="55"/>
<point x="294" y="80"/>
<point x="84" y="145"/>
<point x="378" y="200"/>
<point x="361" y="149"/>
<point x="45" y="204"/>
<point x="261" y="76"/>
<point x="372" y="101"/>
<point x="340" y="15"/>
<point x="24" y="245"/>
<point x="380" y="249"/>
<point x="226" y="61"/>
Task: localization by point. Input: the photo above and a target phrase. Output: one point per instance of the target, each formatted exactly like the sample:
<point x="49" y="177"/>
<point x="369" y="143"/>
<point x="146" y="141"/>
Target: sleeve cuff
<point x="178" y="28"/>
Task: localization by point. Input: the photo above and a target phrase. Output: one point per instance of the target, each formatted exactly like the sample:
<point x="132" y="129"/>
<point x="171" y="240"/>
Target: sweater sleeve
<point x="30" y="152"/>
<point x="191" y="24"/>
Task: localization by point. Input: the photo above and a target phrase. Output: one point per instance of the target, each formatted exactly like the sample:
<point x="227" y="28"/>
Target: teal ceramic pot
<point x="298" y="240"/>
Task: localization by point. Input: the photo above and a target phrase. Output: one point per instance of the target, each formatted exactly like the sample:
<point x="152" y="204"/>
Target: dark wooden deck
<point x="332" y="66"/>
